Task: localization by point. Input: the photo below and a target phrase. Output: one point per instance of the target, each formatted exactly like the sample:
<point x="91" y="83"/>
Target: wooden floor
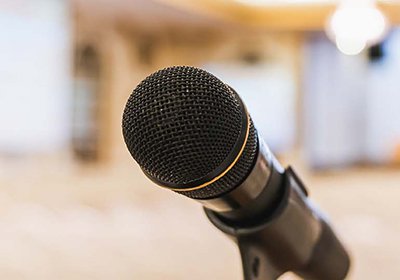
<point x="59" y="221"/>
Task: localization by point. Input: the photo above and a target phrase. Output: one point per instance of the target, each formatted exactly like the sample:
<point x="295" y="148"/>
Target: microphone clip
<point x="294" y="236"/>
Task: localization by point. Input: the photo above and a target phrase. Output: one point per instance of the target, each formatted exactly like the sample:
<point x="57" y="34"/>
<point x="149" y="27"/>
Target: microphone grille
<point x="180" y="124"/>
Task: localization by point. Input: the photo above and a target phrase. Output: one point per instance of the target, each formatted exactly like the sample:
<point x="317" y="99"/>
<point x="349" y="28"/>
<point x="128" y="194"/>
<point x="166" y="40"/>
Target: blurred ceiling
<point x="146" y="14"/>
<point x="294" y="15"/>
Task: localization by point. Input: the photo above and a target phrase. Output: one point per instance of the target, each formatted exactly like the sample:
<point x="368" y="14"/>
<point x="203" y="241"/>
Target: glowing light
<point x="350" y="46"/>
<point x="355" y="26"/>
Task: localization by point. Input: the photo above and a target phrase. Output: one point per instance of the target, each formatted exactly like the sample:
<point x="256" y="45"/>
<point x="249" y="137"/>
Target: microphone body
<point x="276" y="227"/>
<point x="203" y="144"/>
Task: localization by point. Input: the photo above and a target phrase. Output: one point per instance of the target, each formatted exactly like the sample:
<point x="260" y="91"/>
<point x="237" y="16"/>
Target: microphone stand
<point x="294" y="236"/>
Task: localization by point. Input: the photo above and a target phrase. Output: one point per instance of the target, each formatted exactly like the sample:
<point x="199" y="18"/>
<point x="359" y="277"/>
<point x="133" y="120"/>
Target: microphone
<point x="192" y="134"/>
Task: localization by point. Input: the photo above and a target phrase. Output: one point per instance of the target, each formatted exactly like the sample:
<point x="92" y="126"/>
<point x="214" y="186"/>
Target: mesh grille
<point x="180" y="124"/>
<point x="233" y="177"/>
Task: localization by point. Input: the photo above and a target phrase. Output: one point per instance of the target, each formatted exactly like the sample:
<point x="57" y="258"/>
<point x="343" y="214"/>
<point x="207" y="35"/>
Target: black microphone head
<point x="189" y="132"/>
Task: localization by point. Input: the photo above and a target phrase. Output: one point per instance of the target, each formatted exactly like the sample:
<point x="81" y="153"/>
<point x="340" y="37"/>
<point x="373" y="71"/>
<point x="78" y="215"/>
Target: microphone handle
<point x="292" y="237"/>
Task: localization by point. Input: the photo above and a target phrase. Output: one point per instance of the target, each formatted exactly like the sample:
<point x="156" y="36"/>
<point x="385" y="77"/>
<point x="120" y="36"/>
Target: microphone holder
<point x="294" y="236"/>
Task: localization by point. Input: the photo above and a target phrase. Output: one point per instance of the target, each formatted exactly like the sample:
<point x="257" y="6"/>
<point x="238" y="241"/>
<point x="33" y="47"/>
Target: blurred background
<point x="320" y="79"/>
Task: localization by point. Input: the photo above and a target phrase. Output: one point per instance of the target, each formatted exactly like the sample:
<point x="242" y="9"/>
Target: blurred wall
<point x="350" y="104"/>
<point x="334" y="104"/>
<point x="383" y="99"/>
<point x="35" y="54"/>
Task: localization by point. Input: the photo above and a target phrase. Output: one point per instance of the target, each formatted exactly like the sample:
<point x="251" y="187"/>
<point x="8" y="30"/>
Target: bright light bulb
<point x="350" y="46"/>
<point x="376" y="24"/>
<point x="353" y="27"/>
